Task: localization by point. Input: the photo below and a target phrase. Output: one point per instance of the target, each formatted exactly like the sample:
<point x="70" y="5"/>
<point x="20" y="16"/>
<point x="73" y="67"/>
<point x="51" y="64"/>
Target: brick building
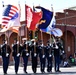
<point x="66" y="21"/>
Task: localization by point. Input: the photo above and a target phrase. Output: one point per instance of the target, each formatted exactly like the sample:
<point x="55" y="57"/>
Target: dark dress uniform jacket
<point x="24" y="51"/>
<point x="16" y="49"/>
<point x="57" y="51"/>
<point x="32" y="48"/>
<point x="5" y="49"/>
<point x="48" y="50"/>
<point x="41" y="51"/>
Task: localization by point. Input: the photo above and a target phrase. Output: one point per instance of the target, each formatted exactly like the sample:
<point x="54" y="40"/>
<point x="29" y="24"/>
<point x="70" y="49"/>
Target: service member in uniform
<point x="34" y="55"/>
<point x="16" y="54"/>
<point x="48" y="50"/>
<point x="5" y="52"/>
<point x="57" y="48"/>
<point x="42" y="56"/>
<point x="25" y="53"/>
<point x="0" y="50"/>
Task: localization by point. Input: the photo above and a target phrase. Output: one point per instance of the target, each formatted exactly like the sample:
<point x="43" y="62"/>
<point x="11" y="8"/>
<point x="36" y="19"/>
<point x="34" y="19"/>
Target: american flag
<point x="10" y="12"/>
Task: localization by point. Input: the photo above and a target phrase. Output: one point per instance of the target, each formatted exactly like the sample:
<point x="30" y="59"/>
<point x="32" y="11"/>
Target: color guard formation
<point x="44" y="54"/>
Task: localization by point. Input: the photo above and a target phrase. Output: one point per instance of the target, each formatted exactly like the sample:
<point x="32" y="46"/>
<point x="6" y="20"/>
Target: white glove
<point x="1" y="46"/>
<point x="12" y="45"/>
<point x="56" y="47"/>
<point x="20" y="44"/>
<point x="26" y="43"/>
<point x="50" y="44"/>
<point x="18" y="54"/>
<point x="42" y="45"/>
<point x="6" y="42"/>
<point x="50" y="55"/>
<point x="27" y="54"/>
<point x="17" y="42"/>
<point x="34" y="43"/>
<point x="43" y="56"/>
<point x="63" y="51"/>
<point x="29" y="44"/>
<point x="7" y="54"/>
<point x="35" y="54"/>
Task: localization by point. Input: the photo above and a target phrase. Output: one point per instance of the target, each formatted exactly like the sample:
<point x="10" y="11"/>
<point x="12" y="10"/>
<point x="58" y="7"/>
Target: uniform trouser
<point x="5" y="64"/>
<point x="34" y="64"/>
<point x="49" y="64"/>
<point x="17" y="60"/>
<point x="42" y="64"/>
<point x="57" y="62"/>
<point x="25" y="60"/>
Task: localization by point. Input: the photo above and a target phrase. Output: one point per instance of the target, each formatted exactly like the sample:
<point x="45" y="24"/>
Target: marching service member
<point x="34" y="55"/>
<point x="42" y="56"/>
<point x="48" y="50"/>
<point x="25" y="53"/>
<point x="5" y="52"/>
<point x="57" y="49"/>
<point x="16" y="54"/>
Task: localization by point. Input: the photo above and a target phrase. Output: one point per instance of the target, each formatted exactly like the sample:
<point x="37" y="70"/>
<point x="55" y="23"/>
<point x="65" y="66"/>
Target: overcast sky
<point x="58" y="5"/>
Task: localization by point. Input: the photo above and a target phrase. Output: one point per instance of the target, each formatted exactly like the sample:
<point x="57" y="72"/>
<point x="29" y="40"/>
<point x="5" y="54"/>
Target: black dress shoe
<point x="43" y="71"/>
<point x="34" y="71"/>
<point x="59" y="71"/>
<point x="25" y="71"/>
<point x="16" y="72"/>
<point x="50" y="71"/>
<point x="5" y="73"/>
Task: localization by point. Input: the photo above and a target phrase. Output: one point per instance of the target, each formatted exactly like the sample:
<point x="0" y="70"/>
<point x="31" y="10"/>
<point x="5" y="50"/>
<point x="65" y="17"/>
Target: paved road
<point x="64" y="71"/>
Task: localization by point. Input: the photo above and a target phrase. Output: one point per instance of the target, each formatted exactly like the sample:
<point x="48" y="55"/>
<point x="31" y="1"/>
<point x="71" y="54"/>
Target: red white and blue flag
<point x="9" y="13"/>
<point x="10" y="17"/>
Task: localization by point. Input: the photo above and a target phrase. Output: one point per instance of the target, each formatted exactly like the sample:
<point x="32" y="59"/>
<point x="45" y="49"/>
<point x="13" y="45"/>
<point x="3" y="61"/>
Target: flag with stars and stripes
<point x="10" y="17"/>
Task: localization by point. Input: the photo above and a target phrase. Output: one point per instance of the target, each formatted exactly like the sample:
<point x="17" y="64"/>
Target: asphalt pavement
<point x="64" y="71"/>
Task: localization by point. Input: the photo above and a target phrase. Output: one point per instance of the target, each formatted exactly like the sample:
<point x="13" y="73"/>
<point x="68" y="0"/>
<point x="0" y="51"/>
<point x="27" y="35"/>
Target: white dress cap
<point x="24" y="39"/>
<point x="33" y="40"/>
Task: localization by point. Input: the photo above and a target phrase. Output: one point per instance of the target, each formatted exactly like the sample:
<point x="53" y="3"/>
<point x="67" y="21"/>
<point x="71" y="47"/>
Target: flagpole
<point x="35" y="41"/>
<point x="26" y="38"/>
<point x="34" y="31"/>
<point x="19" y="17"/>
<point x="41" y="35"/>
<point x="18" y="42"/>
<point x="50" y="38"/>
<point x="42" y="41"/>
<point x="5" y="32"/>
<point x="8" y="36"/>
<point x="5" y="41"/>
<point x="53" y="16"/>
<point x="20" y="35"/>
<point x="50" y="34"/>
<point x="18" y="32"/>
<point x="26" y="28"/>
